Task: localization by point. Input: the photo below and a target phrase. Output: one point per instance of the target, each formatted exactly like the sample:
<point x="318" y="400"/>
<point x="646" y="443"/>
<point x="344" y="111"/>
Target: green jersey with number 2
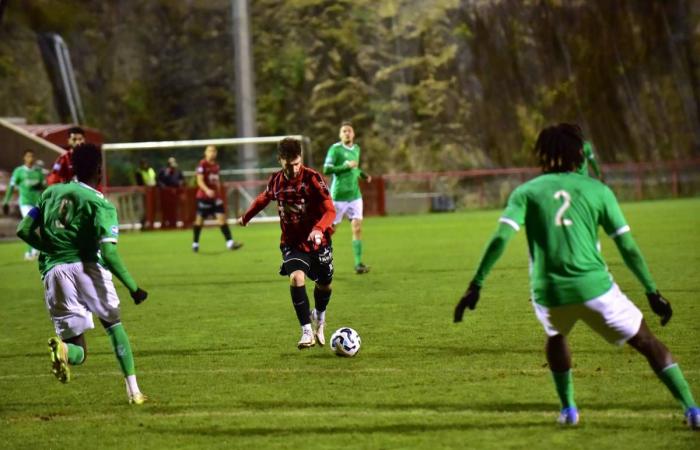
<point x="561" y="213"/>
<point x="75" y="220"/>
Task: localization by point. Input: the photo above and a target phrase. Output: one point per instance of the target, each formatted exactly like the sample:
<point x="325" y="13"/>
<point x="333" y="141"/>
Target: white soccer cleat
<point x="307" y="339"/>
<point x="319" y="328"/>
<point x="195" y="247"/>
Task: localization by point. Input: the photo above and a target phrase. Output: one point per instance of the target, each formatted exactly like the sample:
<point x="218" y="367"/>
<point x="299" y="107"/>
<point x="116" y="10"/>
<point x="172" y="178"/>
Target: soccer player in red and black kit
<point x="62" y="170"/>
<point x="209" y="199"/>
<point x="306" y="213"/>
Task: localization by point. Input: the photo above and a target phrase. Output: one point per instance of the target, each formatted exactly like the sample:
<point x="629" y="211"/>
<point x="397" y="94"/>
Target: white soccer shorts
<point x="76" y="290"/>
<point x="24" y="209"/>
<point x="612" y="315"/>
<point x="352" y="209"/>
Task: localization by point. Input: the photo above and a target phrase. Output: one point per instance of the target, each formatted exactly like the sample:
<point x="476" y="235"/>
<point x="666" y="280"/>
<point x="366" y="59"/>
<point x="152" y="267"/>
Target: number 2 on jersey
<point x="559" y="219"/>
<point x="65" y="213"/>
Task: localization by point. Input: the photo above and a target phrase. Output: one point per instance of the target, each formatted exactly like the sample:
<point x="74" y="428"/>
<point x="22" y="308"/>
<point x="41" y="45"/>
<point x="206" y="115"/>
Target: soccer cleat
<point x="195" y="247"/>
<point x="29" y="256"/>
<point x="137" y="399"/>
<point x="361" y="268"/>
<point x="318" y="327"/>
<point x="568" y="416"/>
<point x="59" y="360"/>
<point x="307" y="339"/>
<point x="234" y="245"/>
<point x="692" y="418"/>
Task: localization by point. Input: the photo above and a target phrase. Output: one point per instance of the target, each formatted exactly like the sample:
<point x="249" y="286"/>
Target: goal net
<point x="246" y="164"/>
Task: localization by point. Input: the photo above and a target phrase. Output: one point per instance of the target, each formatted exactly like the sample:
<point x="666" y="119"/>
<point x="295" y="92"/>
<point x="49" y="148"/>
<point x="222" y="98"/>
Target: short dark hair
<point x="87" y="159"/>
<point x="559" y="148"/>
<point x="347" y="123"/>
<point x="289" y="148"/>
<point x="76" y="130"/>
<point x="29" y="150"/>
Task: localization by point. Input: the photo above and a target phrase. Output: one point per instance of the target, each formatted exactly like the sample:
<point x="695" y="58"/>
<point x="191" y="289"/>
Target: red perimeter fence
<point x="410" y="192"/>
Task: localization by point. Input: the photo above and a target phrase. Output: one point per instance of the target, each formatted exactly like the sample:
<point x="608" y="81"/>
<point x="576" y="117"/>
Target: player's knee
<point x="297" y="278"/>
<point x="326" y="287"/>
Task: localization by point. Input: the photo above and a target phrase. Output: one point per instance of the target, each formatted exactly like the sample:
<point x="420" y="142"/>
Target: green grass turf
<point x="215" y="348"/>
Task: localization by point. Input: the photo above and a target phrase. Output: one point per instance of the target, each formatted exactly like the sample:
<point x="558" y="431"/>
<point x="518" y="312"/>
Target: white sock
<point x="132" y="387"/>
<point x="229" y="243"/>
<point x="306" y="327"/>
<point x="195" y="245"/>
<point x="321" y="316"/>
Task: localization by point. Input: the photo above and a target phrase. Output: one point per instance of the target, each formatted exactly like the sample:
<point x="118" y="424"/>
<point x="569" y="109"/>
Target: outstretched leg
<point x="559" y="359"/>
<point x="661" y="361"/>
<point x="122" y="350"/>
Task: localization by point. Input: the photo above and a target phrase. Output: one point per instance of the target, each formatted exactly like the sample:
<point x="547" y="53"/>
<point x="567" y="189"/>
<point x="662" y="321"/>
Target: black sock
<point x="226" y="232"/>
<point x="321" y="299"/>
<point x="301" y="304"/>
<point x="197" y="231"/>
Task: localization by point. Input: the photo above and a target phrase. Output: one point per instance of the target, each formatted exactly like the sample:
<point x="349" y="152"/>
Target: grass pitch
<point x="215" y="348"/>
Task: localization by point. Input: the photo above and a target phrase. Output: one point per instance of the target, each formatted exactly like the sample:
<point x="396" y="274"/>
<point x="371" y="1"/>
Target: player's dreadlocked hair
<point x="288" y="149"/>
<point x="559" y="148"/>
<point x="87" y="159"/>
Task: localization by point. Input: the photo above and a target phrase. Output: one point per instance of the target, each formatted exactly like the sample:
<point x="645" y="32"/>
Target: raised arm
<point x="260" y="202"/>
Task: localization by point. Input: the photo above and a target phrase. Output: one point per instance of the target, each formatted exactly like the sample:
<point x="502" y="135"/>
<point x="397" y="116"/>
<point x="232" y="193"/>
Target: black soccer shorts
<point x="317" y="265"/>
<point x="209" y="207"/>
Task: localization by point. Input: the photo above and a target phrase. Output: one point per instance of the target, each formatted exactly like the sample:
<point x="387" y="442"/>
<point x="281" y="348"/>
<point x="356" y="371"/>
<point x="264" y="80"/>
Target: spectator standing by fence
<point x="170" y="180"/>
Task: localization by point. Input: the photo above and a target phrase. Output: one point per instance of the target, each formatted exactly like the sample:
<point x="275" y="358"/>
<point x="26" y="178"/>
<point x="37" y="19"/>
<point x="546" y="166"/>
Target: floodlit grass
<point x="215" y="348"/>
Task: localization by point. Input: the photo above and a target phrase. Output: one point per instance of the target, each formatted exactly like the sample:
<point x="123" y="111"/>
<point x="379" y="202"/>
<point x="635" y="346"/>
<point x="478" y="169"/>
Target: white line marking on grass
<point x="369" y="411"/>
<point x="343" y="370"/>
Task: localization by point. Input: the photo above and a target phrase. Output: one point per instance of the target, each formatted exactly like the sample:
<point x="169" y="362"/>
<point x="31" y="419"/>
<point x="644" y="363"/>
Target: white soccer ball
<point x="345" y="342"/>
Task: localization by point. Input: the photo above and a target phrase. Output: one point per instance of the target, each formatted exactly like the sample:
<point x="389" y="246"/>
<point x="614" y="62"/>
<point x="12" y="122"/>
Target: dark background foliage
<point x="430" y="85"/>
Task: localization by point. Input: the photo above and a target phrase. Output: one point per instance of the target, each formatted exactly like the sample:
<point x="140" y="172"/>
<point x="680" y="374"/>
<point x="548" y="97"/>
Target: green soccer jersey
<point x="75" y="220"/>
<point x="29" y="181"/>
<point x="588" y="157"/>
<point x="561" y="213"/>
<point x="345" y="186"/>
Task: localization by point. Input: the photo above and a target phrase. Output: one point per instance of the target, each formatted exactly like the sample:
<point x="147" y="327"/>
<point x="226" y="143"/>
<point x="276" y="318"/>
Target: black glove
<point x="468" y="300"/>
<point x="6" y="209"/>
<point x="660" y="306"/>
<point x="139" y="296"/>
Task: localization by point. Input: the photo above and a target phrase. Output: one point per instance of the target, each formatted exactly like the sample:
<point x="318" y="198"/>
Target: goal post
<point x="156" y="207"/>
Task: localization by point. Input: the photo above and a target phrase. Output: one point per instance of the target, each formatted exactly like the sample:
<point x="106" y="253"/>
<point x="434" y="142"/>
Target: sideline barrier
<point x="406" y="193"/>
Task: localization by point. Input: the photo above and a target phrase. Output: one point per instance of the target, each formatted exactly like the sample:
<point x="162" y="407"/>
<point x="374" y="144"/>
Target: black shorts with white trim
<point x="317" y="265"/>
<point x="209" y="207"/>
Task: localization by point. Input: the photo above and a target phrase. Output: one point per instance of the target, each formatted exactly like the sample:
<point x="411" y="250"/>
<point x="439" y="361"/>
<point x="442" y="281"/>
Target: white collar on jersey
<point x="349" y="148"/>
<point x="99" y="194"/>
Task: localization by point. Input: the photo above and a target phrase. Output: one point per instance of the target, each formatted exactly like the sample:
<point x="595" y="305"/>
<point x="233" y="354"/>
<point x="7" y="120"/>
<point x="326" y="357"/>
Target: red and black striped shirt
<point x="303" y="203"/>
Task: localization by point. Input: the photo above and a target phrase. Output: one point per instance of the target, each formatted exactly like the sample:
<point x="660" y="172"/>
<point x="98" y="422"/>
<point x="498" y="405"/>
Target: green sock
<point x="122" y="348"/>
<point x="564" y="383"/>
<point x="357" y="251"/>
<point x="674" y="380"/>
<point x="76" y="354"/>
